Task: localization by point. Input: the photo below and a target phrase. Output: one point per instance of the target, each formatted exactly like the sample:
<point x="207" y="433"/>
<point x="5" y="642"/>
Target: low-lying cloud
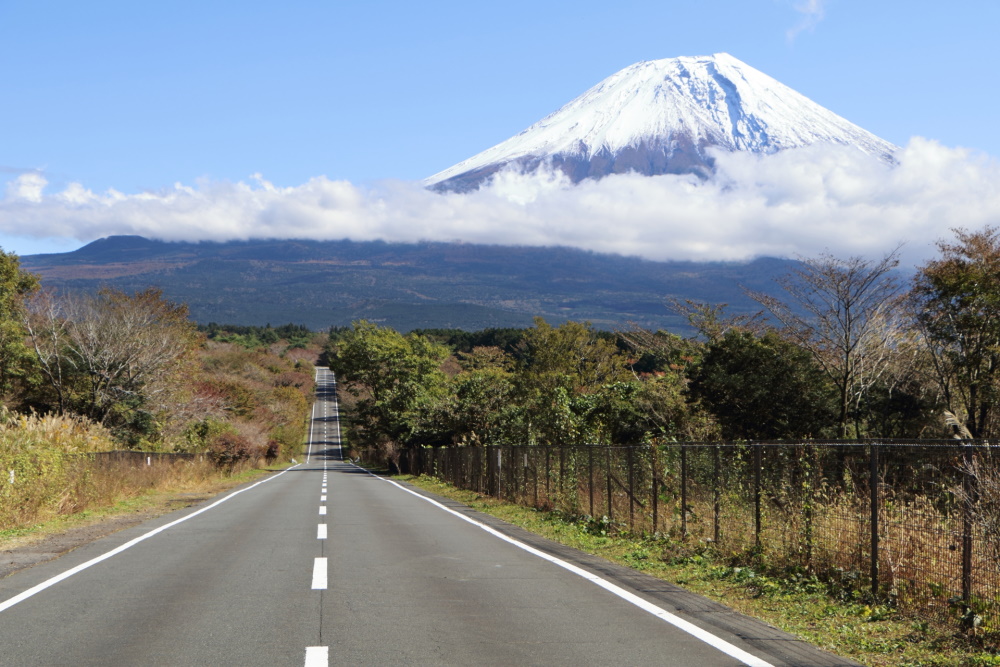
<point x="796" y="202"/>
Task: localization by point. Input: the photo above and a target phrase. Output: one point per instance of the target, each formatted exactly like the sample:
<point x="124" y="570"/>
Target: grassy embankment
<point x="240" y="411"/>
<point x="795" y="602"/>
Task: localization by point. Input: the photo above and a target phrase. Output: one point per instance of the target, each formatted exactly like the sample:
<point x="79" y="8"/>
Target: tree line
<point x="846" y="348"/>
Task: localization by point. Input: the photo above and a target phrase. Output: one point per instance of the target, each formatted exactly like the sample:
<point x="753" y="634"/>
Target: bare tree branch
<point x="848" y="314"/>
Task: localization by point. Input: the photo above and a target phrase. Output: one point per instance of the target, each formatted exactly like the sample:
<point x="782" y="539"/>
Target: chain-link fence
<point x="917" y="523"/>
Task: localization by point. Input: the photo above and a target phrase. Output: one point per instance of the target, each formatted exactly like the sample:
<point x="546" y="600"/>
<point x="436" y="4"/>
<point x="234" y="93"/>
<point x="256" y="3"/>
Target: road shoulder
<point x="760" y="638"/>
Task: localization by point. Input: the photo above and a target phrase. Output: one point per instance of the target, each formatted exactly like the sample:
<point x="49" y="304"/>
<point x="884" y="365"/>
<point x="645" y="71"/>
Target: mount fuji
<point x="665" y="117"/>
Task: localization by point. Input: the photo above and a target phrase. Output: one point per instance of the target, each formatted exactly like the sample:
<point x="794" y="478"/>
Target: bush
<point x="230" y="449"/>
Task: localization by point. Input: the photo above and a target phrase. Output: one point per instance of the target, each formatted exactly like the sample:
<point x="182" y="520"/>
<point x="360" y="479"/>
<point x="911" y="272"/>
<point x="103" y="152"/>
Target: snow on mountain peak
<point x="661" y="116"/>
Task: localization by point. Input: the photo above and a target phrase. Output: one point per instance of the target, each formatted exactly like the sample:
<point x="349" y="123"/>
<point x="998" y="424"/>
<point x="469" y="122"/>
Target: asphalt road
<point x="326" y="564"/>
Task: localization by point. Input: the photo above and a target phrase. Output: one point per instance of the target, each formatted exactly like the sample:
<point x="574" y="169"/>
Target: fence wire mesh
<point x="917" y="523"/>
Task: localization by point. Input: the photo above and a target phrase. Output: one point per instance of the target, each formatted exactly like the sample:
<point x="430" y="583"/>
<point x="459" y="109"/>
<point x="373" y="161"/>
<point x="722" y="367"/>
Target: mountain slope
<point x="324" y="283"/>
<point x="666" y="116"/>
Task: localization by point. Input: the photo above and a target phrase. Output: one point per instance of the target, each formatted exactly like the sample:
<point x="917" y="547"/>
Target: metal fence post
<point x="756" y="493"/>
<point x="968" y="486"/>
<point x="510" y="487"/>
<point x="654" y="464"/>
<point x="684" y="492"/>
<point x="548" y="475"/>
<point x="715" y="495"/>
<point x="810" y="474"/>
<point x="534" y="465"/>
<point x="562" y="473"/>
<point x="630" y="461"/>
<point x="607" y="462"/>
<point x="873" y="499"/>
<point x="590" y="467"/>
<point x="474" y="469"/>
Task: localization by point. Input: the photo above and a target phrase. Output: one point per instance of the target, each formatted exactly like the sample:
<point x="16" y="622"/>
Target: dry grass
<point x="48" y="468"/>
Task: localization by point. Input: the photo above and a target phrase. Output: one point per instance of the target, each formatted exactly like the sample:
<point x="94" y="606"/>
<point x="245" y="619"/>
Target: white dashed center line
<point x="319" y="574"/>
<point x="317" y="656"/>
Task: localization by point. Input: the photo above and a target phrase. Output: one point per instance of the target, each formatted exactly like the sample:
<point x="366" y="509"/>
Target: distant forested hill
<point x="406" y="286"/>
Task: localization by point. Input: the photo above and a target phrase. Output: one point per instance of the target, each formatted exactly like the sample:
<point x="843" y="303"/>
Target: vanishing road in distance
<point x="326" y="564"/>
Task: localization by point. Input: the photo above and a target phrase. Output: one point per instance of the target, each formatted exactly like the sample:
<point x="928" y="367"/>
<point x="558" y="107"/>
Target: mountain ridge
<point x="407" y="286"/>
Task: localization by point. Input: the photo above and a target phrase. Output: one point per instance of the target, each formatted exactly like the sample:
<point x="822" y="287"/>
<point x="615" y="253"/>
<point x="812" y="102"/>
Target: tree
<point x="957" y="298"/>
<point x="15" y="286"/>
<point x="111" y="356"/>
<point x="480" y="408"/>
<point x="397" y="378"/>
<point x="558" y="365"/>
<point x="637" y="410"/>
<point x="570" y="355"/>
<point x="763" y="388"/>
<point x="710" y="320"/>
<point x="45" y="323"/>
<point x="847" y="313"/>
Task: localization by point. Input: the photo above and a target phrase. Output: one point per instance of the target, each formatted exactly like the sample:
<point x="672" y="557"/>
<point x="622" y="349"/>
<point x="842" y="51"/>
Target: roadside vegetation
<point x="827" y="614"/>
<point x="85" y="375"/>
<point x="847" y="350"/>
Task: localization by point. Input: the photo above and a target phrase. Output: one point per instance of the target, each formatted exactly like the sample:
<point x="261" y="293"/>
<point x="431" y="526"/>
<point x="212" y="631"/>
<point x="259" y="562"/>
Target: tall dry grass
<point x="49" y="467"/>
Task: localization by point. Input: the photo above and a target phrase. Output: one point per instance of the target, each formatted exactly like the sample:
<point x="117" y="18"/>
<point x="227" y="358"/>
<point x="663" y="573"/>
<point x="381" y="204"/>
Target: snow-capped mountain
<point x="661" y="117"/>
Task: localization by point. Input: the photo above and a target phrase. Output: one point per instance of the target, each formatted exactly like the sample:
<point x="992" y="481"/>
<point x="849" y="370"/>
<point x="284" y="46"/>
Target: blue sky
<point x="136" y="97"/>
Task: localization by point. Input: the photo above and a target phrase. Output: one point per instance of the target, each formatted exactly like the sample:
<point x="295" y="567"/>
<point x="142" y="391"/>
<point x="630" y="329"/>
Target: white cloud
<point x="796" y="202"/>
<point x="812" y="12"/>
<point x="27" y="187"/>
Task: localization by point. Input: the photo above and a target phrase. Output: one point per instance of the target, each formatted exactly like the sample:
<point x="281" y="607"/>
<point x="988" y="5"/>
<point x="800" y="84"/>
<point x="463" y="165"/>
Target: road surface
<point x="326" y="564"/>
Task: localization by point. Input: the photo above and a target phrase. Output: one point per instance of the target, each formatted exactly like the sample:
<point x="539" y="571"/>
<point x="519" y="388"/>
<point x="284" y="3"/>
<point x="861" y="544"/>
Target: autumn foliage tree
<point x="957" y="298"/>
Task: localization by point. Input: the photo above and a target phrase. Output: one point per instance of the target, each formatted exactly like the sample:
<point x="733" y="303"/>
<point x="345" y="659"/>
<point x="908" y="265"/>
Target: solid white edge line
<point x="7" y="604"/>
<point x="319" y="574"/>
<point x="317" y="656"/>
<point x="321" y="531"/>
<point x="645" y="605"/>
